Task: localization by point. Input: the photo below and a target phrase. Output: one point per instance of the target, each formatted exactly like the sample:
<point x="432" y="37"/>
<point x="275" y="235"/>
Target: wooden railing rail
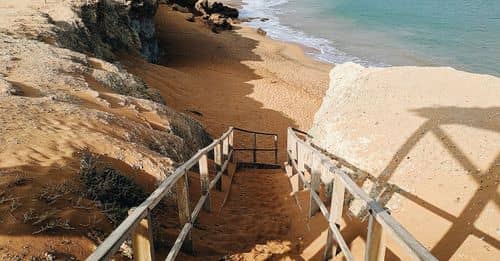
<point x="322" y="169"/>
<point x="138" y="224"/>
<point x="254" y="147"/>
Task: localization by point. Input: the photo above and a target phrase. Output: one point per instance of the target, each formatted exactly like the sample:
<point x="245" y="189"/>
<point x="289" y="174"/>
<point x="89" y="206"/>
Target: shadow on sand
<point x="486" y="180"/>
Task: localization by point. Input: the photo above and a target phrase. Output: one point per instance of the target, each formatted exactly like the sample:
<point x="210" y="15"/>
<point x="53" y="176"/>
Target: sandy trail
<point x="235" y="78"/>
<point x="242" y="79"/>
<point x="255" y="223"/>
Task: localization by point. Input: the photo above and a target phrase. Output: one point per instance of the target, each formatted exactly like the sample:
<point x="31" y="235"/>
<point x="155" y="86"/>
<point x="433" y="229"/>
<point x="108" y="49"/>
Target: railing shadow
<point x="487" y="181"/>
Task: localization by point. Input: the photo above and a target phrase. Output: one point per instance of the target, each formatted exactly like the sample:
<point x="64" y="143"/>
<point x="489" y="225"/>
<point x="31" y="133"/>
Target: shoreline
<point x="354" y="45"/>
<point x="242" y="79"/>
<point x="253" y="62"/>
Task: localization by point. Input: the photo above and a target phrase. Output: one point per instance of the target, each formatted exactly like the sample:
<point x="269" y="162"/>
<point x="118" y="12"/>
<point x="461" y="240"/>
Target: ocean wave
<point x="320" y="48"/>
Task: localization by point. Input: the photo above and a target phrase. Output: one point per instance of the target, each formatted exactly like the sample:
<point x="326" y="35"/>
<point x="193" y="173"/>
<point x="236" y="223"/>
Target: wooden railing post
<point x="218" y="163"/>
<point x="315" y="183"/>
<point x="375" y="244"/>
<point x="205" y="181"/>
<point x="255" y="148"/>
<point x="275" y="149"/>
<point x="336" y="208"/>
<point x="301" y="164"/>
<point x="182" y="191"/>
<point x="295" y="148"/>
<point x="142" y="240"/>
<point x="225" y="153"/>
<point x="231" y="145"/>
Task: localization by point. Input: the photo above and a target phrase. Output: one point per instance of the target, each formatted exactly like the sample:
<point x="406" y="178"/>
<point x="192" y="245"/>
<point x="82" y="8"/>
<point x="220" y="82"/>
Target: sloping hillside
<point x="66" y="112"/>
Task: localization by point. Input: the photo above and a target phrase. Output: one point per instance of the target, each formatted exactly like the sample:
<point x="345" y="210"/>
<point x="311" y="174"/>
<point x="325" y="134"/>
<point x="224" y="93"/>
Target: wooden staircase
<point x="307" y="167"/>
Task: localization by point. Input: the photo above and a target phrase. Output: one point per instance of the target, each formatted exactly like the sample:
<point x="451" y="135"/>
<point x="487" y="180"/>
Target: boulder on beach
<point x="179" y="8"/>
<point x="218" y="23"/>
<point x="222" y="9"/>
<point x="261" y="31"/>
<point x="206" y="8"/>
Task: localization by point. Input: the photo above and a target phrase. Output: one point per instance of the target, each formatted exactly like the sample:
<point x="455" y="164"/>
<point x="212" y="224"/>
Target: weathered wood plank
<point x="182" y="191"/>
<point x="288" y="169"/>
<point x="218" y="176"/>
<point x="414" y="248"/>
<point x="336" y="208"/>
<point x="254" y="148"/>
<point x="300" y="164"/>
<point x="218" y="163"/>
<point x="275" y="149"/>
<point x="113" y="242"/>
<point x="142" y="240"/>
<point x="197" y="208"/>
<point x="375" y="245"/>
<point x="179" y="242"/>
<point x="205" y="181"/>
<point x="225" y="152"/>
<point x="231" y="146"/>
<point x="315" y="184"/>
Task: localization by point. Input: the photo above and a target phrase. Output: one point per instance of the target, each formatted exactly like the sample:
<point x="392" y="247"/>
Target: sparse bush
<point x="116" y="192"/>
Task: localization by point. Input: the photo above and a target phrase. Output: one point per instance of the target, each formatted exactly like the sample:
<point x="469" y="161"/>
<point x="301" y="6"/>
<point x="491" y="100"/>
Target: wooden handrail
<point x="128" y="226"/>
<point x="223" y="154"/>
<point x="296" y="148"/>
<point x="254" y="149"/>
<point x="255" y="132"/>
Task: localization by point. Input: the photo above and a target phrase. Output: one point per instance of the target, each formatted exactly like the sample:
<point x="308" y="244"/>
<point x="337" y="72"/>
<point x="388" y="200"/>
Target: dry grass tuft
<point x="111" y="190"/>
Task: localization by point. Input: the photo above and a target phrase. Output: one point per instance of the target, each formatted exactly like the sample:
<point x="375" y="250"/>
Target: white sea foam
<point x="320" y="48"/>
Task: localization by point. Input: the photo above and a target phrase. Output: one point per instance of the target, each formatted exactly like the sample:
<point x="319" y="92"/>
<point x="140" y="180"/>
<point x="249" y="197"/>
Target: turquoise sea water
<point x="464" y="34"/>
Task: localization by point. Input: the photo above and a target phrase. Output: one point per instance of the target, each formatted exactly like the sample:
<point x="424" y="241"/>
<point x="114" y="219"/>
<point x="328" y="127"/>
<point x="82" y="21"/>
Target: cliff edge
<point x="81" y="139"/>
<point x="425" y="143"/>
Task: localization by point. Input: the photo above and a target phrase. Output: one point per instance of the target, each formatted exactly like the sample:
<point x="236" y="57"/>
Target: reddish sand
<point x="242" y="79"/>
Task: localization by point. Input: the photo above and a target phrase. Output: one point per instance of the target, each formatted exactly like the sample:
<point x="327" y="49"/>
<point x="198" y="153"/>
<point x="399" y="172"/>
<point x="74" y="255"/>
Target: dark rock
<point x="108" y="26"/>
<point x="264" y="19"/>
<point x="179" y="8"/>
<point x="218" y="23"/>
<point x="245" y="20"/>
<point x="141" y="13"/>
<point x="261" y="31"/>
<point x="190" y="18"/>
<point x="220" y="8"/>
<point x="185" y="3"/>
<point x="204" y="8"/>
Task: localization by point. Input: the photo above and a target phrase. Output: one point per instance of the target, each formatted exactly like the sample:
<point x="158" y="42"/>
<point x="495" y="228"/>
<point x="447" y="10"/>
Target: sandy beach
<point x="237" y="78"/>
<point x="240" y="78"/>
<point x="67" y="90"/>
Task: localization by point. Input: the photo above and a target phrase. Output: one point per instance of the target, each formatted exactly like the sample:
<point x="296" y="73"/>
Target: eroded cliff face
<point x="422" y="141"/>
<point x="61" y="95"/>
<point x="106" y="26"/>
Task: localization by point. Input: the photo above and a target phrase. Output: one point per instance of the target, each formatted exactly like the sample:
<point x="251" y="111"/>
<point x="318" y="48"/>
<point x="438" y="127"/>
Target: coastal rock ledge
<point x="422" y="141"/>
<point x="105" y="26"/>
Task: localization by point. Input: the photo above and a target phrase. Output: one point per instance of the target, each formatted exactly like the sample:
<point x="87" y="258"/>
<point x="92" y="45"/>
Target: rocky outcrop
<point x="217" y="16"/>
<point x="218" y="23"/>
<point x="142" y="14"/>
<point x="207" y="8"/>
<point x="421" y="141"/>
<point x="104" y="27"/>
<point x="6" y="88"/>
